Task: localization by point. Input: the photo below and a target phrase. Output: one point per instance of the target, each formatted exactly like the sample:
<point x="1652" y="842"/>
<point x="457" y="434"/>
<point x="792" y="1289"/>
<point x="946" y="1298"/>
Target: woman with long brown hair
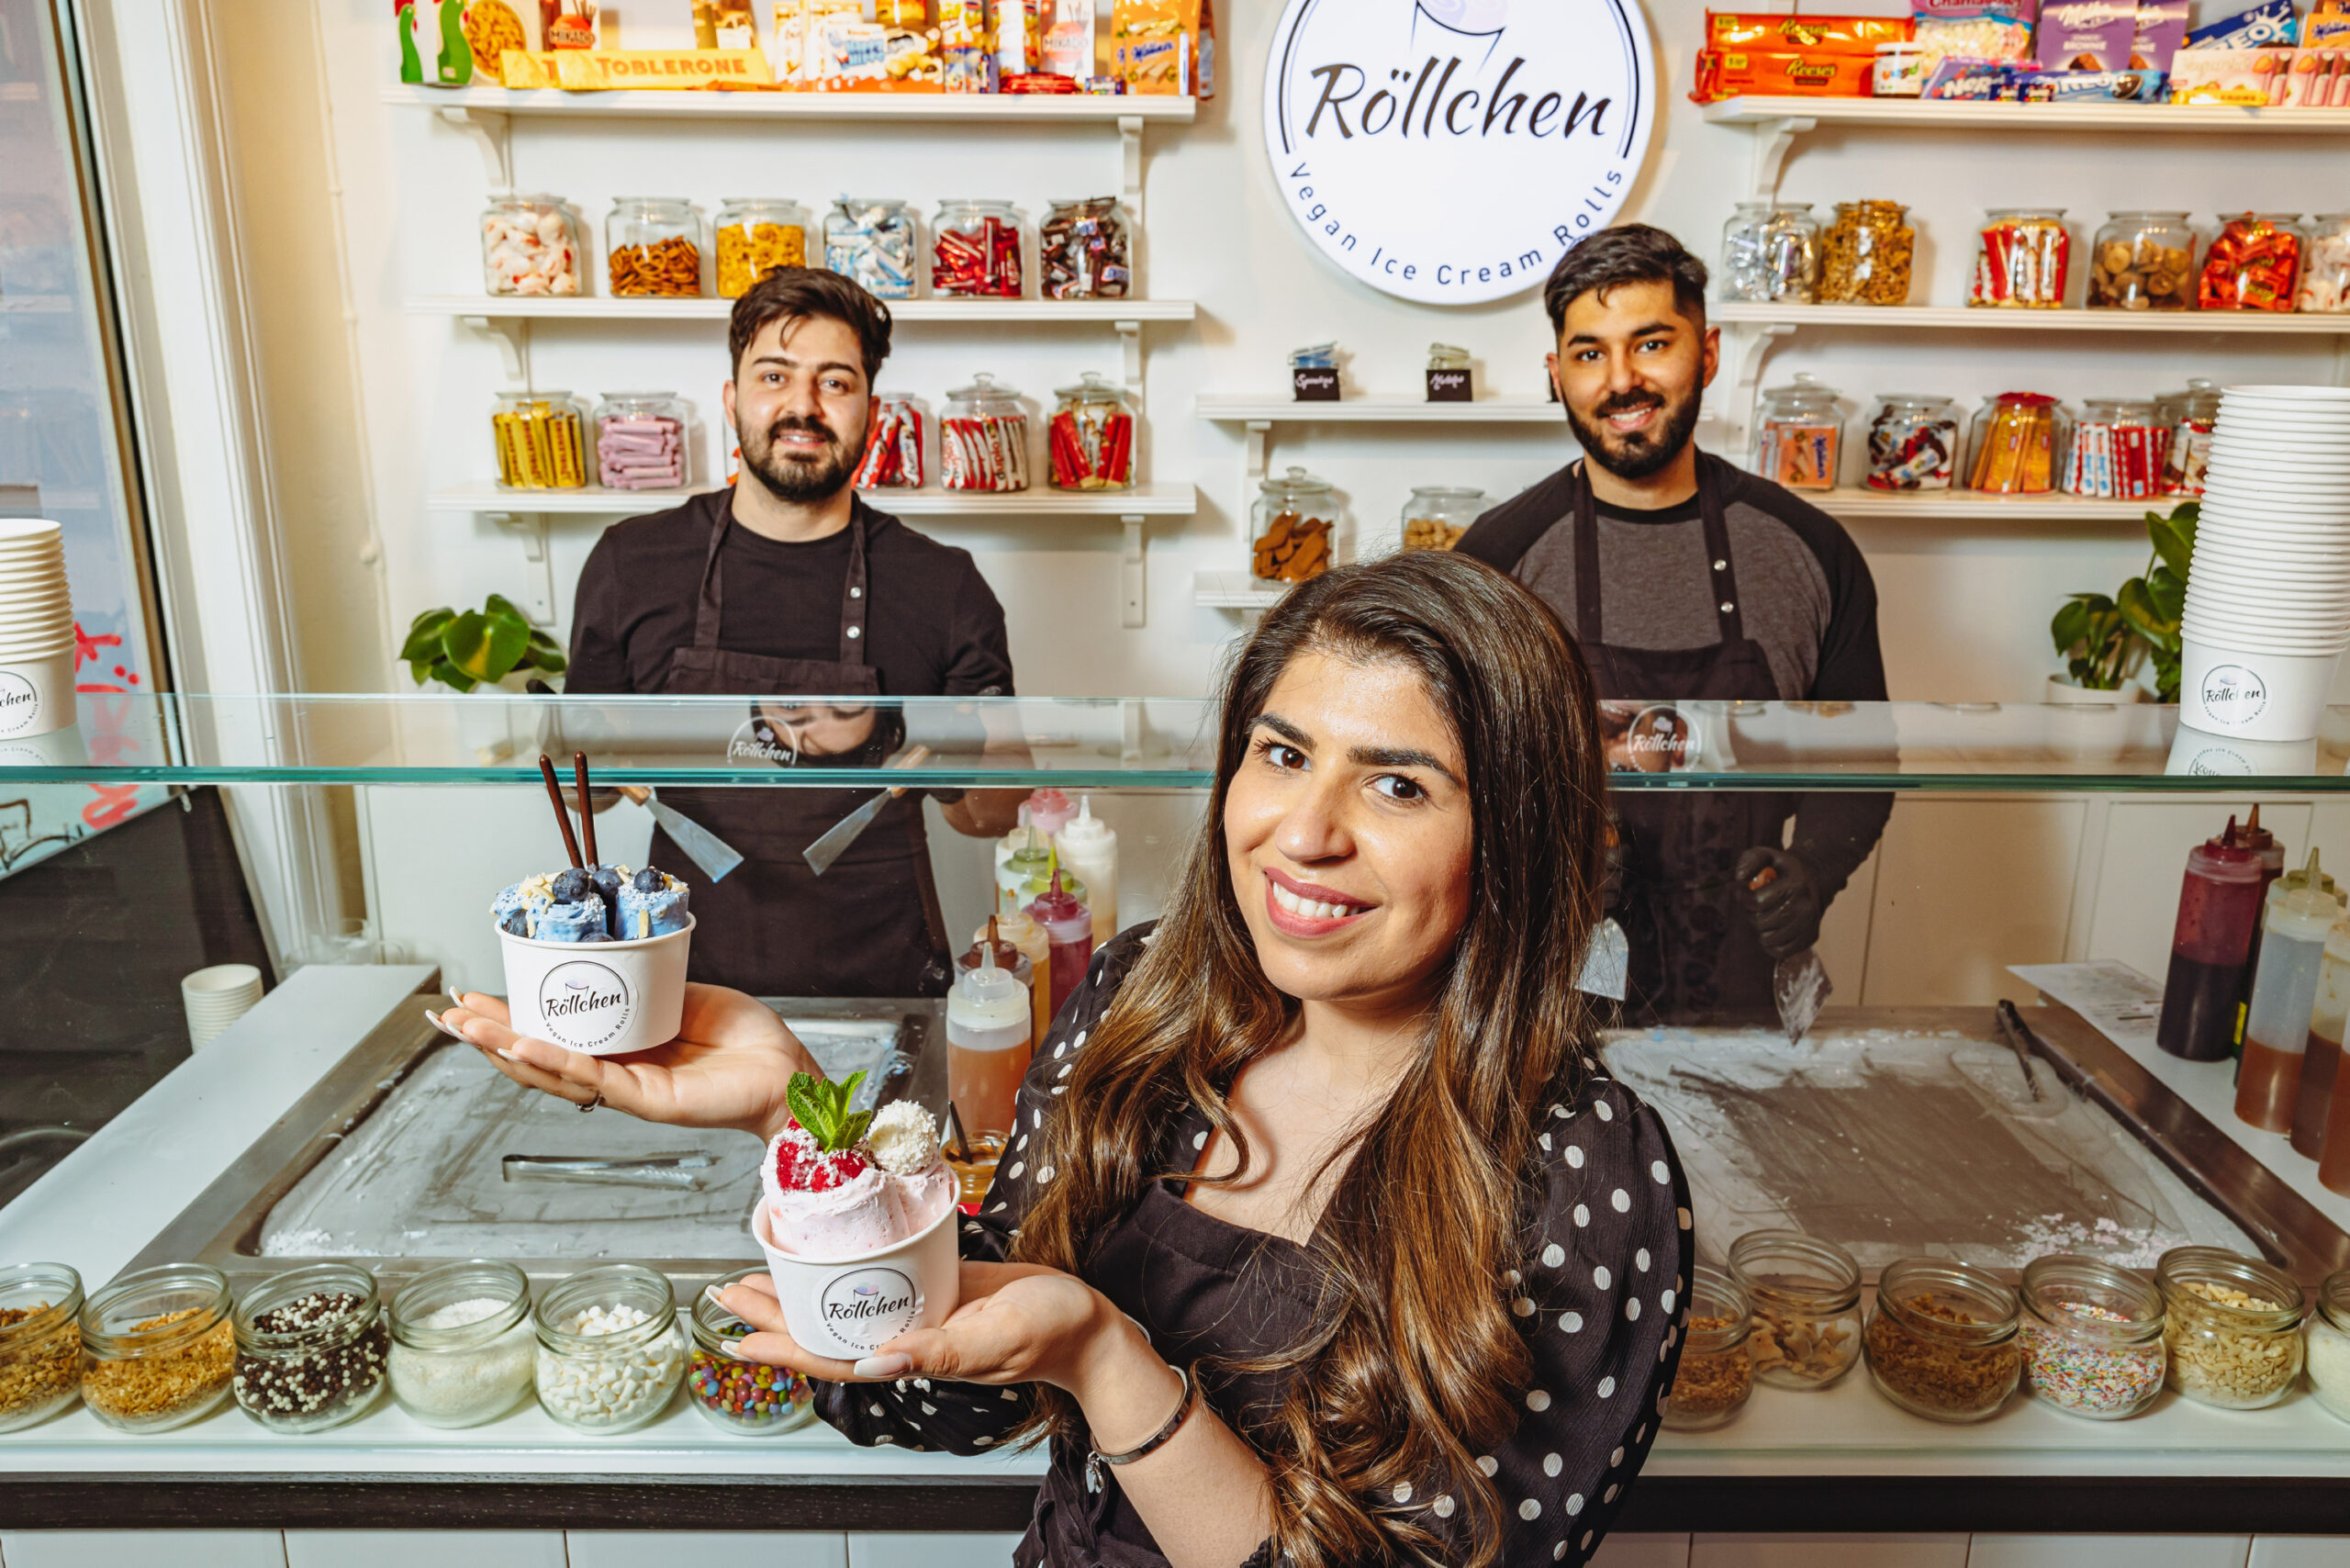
<point x="1324" y="1237"/>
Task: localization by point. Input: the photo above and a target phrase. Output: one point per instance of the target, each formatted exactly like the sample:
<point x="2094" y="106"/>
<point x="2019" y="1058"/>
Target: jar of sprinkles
<point x="310" y="1348"/>
<point x="2092" y="1337"/>
<point x="737" y="1395"/>
<point x="40" y="1341"/>
<point x="1715" y="1372"/>
<point x="2231" y="1325"/>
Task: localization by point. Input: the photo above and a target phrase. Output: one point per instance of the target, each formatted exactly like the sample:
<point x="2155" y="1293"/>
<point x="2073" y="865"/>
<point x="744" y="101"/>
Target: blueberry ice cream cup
<point x="571" y="980"/>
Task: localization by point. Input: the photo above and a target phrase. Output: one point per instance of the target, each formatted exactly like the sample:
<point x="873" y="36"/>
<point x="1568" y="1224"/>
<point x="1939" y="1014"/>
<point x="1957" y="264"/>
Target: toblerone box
<point x="599" y="70"/>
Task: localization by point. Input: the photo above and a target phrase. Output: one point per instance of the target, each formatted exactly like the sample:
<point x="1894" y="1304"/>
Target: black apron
<point x="1695" y="954"/>
<point x="870" y="926"/>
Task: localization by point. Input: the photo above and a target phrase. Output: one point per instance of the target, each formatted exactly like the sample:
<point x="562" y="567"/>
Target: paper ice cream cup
<point x="849" y="1307"/>
<point x="36" y="695"/>
<point x="604" y="999"/>
<point x="2253" y="695"/>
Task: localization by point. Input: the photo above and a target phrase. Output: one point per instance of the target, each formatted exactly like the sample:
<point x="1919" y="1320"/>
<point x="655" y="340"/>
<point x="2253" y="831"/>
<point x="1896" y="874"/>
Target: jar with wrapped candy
<point x="641" y="441"/>
<point x="983" y="438"/>
<point x="2117" y="449"/>
<point x="975" y="250"/>
<point x="2190" y="416"/>
<point x="2325" y="271"/>
<point x="1084" y="250"/>
<point x="757" y="237"/>
<point x="529" y="247"/>
<point x="1866" y="255"/>
<point x="1092" y="437"/>
<point x="2023" y="259"/>
<point x="1743" y="274"/>
<point x="893" y="446"/>
<point x="538" y="441"/>
<point x="871" y="240"/>
<point x="2142" y="261"/>
<point x="1294" y="539"/>
<point x="1799" y="435"/>
<point x="1913" y="443"/>
<point x="2020" y="442"/>
<point x="1791" y="255"/>
<point x="653" y="247"/>
<point x="2254" y="264"/>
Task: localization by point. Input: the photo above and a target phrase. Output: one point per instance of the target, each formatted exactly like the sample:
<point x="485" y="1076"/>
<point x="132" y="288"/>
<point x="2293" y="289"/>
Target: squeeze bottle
<point x="1007" y="957"/>
<point x="2263" y="843"/>
<point x="1069" y="928"/>
<point x="1050" y="810"/>
<point x="1011" y="843"/>
<point x="2219" y="906"/>
<point x="2314" y="1133"/>
<point x="1089" y="847"/>
<point x="1013" y="926"/>
<point x="2301" y="911"/>
<point x="988" y="1045"/>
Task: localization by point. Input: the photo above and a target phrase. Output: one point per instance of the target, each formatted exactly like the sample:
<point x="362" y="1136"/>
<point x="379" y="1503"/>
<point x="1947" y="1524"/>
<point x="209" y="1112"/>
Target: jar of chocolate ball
<point x="311" y="1347"/>
<point x="736" y="1395"/>
<point x="2142" y="261"/>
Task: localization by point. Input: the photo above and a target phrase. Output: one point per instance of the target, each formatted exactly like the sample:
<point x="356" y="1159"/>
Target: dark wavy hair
<point x="1403" y="1378"/>
<point x="796" y="293"/>
<point x="1628" y="252"/>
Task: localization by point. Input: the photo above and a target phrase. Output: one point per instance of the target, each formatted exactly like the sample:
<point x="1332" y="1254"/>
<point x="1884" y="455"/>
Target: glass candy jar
<point x="2117" y="449"/>
<point x="529" y="247"/>
<point x="1799" y="436"/>
<point x="1865" y="258"/>
<point x="2092" y="1338"/>
<point x="1294" y="529"/>
<point x="641" y="441"/>
<point x="462" y="1343"/>
<point x="983" y="438"/>
<point x="870" y="241"/>
<point x="2019" y="444"/>
<point x="2022" y="257"/>
<point x="653" y="248"/>
<point x="1805" y="1296"/>
<point x="1745" y="272"/>
<point x="2142" y="261"/>
<point x="1085" y="249"/>
<point x="2232" y="1326"/>
<point x="40" y="1341"/>
<point x="310" y="1348"/>
<point x="975" y="250"/>
<point x="1941" y="1340"/>
<point x="2190" y="416"/>
<point x="2252" y="263"/>
<point x="610" y="1353"/>
<point x="755" y="237"/>
<point x="1091" y="438"/>
<point x="2325" y="268"/>
<point x="1717" y="1373"/>
<point x="1791" y="255"/>
<point x="158" y="1348"/>
<point x="539" y="443"/>
<point x="1435" y="517"/>
<point x="736" y="1395"/>
<point x="1913" y="443"/>
<point x="2328" y="1352"/>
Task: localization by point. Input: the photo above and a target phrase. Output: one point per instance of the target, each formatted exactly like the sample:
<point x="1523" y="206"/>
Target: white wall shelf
<point x="1970" y="118"/>
<point x="605" y="307"/>
<point x="918" y="107"/>
<point x="1232" y="590"/>
<point x="1854" y="503"/>
<point x="1228" y="408"/>
<point x="1143" y="500"/>
<point x="1961" y="318"/>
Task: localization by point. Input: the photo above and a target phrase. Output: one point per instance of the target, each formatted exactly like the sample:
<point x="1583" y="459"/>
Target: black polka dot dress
<point x="1600" y="1295"/>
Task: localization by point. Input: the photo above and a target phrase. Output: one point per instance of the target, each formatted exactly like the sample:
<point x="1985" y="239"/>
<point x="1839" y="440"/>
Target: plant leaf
<point x="420" y="668"/>
<point x="498" y="605"/>
<point x="424" y="634"/>
<point x="2176" y="548"/>
<point x="2071" y="626"/>
<point x="449" y="675"/>
<point x="2144" y="616"/>
<point x="486" y="648"/>
<point x="853" y="1129"/>
<point x="2168" y="591"/>
<point x="801" y="1095"/>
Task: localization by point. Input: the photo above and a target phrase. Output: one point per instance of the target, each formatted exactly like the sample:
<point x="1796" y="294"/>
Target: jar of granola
<point x="1717" y="1373"/>
<point x="1942" y="1340"/>
<point x="2231" y="1325"/>
<point x="1806" y="1296"/>
<point x="40" y="1341"/>
<point x="1866" y="256"/>
<point x="158" y="1348"/>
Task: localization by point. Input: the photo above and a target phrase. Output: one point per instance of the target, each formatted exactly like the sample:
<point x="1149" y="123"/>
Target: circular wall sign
<point x="1452" y="151"/>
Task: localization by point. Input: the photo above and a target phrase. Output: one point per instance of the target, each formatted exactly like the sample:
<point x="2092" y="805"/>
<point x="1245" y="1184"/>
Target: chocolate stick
<point x="587" y="812"/>
<point x="962" y="1149"/>
<point x="562" y="812"/>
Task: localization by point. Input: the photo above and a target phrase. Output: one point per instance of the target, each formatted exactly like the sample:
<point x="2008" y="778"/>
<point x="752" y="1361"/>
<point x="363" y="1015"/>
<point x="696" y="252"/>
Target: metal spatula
<point x="703" y="847"/>
<point x="821" y="855"/>
<point x="1799" y="983"/>
<point x="1606" y="963"/>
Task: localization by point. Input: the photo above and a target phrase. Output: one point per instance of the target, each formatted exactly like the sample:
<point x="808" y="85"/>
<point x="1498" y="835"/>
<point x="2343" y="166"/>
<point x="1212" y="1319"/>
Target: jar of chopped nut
<point x="1866" y="254"/>
<point x="40" y="1341"/>
<point x="2231" y="1325"/>
<point x="1942" y="1340"/>
<point x="1715" y="1372"/>
<point x="1807" y="1300"/>
<point x="158" y="1348"/>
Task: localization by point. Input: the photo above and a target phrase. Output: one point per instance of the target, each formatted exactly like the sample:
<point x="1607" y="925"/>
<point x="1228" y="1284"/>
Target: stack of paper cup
<point x="215" y="998"/>
<point x="36" y="630"/>
<point x="2268" y="601"/>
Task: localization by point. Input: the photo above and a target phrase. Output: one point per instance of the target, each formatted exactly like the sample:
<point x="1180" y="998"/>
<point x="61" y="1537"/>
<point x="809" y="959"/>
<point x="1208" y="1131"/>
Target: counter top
<point x="1842" y="1459"/>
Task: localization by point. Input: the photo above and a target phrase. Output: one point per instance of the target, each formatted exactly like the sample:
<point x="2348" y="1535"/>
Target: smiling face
<point x="1631" y="370"/>
<point x="1347" y="834"/>
<point x="799" y="404"/>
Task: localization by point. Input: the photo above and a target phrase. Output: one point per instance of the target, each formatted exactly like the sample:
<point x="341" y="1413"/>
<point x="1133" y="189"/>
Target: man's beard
<point x="1638" y="454"/>
<point x="799" y="480"/>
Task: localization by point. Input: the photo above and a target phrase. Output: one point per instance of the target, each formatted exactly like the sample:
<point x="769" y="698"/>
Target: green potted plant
<point x="2105" y="641"/>
<point x="488" y="646"/>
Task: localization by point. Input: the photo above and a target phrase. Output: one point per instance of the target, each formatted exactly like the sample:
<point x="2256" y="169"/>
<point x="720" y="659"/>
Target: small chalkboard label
<point x="1316" y="385"/>
<point x="1450" y="386"/>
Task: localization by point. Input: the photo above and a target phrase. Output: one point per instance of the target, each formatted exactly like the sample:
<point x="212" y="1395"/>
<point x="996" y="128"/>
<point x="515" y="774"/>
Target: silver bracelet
<point x="1096" y="1458"/>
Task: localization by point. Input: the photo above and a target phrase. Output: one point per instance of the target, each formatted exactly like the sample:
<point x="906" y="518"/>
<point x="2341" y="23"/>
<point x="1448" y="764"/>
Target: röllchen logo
<point x="1452" y="151"/>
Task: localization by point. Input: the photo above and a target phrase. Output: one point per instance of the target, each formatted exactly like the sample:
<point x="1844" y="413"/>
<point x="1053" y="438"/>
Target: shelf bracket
<point x="1132" y="584"/>
<point x="538" y="592"/>
<point x="1130" y="339"/>
<point x="513" y="335"/>
<point x="1252" y="467"/>
<point x="1130" y="164"/>
<point x="1748" y="345"/>
<point x="1773" y="138"/>
<point x="488" y="127"/>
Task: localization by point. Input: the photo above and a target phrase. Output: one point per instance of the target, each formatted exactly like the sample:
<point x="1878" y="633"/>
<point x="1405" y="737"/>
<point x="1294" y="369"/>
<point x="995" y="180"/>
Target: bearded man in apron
<point x="787" y="588"/>
<point x="1686" y="579"/>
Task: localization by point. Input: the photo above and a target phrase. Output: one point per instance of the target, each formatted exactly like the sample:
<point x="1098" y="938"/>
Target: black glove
<point x="1787" y="906"/>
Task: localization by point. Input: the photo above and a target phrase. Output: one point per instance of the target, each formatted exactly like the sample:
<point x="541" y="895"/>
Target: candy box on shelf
<point x="2253" y="77"/>
<point x="2162" y="29"/>
<point x="1977" y="81"/>
<point x="2085" y="87"/>
<point x="2267" y="25"/>
<point x="1165" y="47"/>
<point x="2319" y="78"/>
<point x="1741" y="72"/>
<point x="2087" y="35"/>
<point x="1770" y="31"/>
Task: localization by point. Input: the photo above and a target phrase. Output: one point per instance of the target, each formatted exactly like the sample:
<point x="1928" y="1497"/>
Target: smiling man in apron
<point x="787" y="584"/>
<point x="1686" y="579"/>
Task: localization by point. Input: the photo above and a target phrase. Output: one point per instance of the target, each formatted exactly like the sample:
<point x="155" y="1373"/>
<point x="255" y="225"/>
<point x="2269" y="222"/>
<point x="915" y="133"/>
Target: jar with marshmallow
<point x="529" y="247"/>
<point x="2325" y="275"/>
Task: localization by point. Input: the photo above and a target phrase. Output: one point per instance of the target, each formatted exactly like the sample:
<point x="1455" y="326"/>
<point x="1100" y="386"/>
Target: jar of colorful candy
<point x="2022" y="257"/>
<point x="871" y="240"/>
<point x="975" y="250"/>
<point x="2253" y="264"/>
<point x="741" y="1396"/>
<point x="2190" y="416"/>
<point x="641" y="441"/>
<point x="1799" y="435"/>
<point x="893" y="446"/>
<point x="1790" y="255"/>
<point x="1913" y="443"/>
<point x="529" y="245"/>
<point x="2117" y="449"/>
<point x="1083" y="251"/>
<point x="2020" y="442"/>
<point x="538" y="441"/>
<point x="2092" y="1337"/>
<point x="1092" y="437"/>
<point x="983" y="438"/>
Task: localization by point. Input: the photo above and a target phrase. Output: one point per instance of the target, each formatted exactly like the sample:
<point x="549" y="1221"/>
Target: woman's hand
<point x="729" y="1066"/>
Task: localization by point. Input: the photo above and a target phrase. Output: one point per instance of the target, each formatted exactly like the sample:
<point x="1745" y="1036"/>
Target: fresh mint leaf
<point x="801" y="1096"/>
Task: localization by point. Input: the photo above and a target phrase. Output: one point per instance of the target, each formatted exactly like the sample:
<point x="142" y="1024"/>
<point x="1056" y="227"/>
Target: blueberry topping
<point x="607" y="880"/>
<point x="572" y="886"/>
<point x="594" y="934"/>
<point x="650" y="881"/>
<point x="516" y="924"/>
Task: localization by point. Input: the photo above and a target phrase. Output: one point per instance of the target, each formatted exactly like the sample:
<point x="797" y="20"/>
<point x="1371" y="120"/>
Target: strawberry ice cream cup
<point x="850" y="1307"/>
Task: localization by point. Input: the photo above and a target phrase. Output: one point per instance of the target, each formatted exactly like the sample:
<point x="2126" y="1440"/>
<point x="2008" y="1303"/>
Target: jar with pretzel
<point x="654" y="248"/>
